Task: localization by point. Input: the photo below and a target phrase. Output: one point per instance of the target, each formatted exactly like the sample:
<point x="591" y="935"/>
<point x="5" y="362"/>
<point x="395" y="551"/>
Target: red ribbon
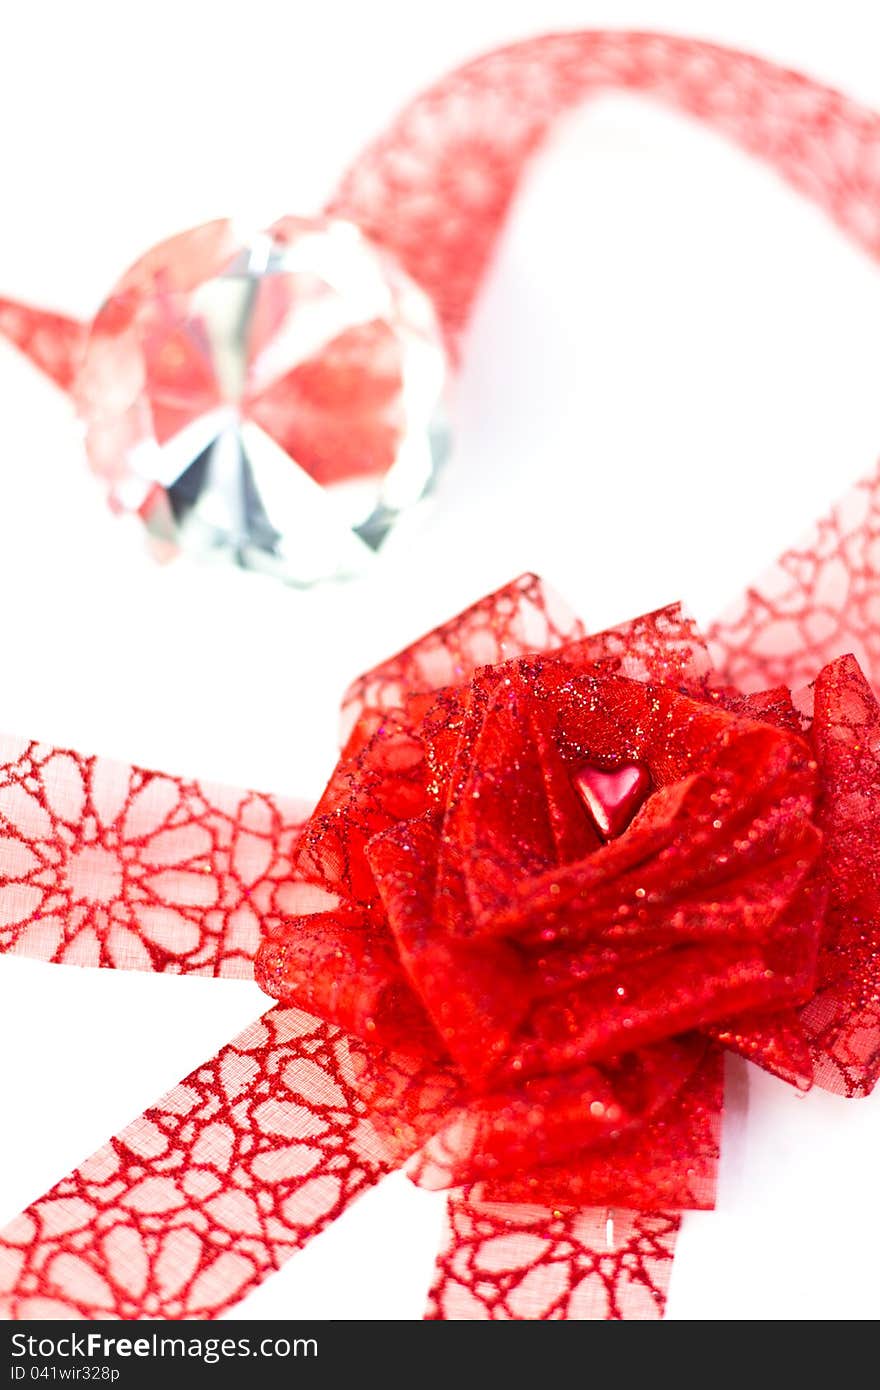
<point x="459" y="1026"/>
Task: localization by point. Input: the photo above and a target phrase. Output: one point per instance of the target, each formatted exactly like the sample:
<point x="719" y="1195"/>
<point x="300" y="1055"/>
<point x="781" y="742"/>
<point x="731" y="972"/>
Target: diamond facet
<point x="275" y="400"/>
<point x="612" y="797"/>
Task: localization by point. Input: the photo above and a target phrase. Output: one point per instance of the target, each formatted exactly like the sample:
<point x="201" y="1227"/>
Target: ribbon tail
<point x="193" y="1204"/>
<point x="52" y="342"/>
<point x="820" y="601"/>
<point x="104" y="864"/>
<point x="502" y="1261"/>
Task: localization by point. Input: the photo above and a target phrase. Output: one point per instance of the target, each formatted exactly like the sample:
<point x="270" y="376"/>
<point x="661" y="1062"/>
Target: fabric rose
<point x="570" y="977"/>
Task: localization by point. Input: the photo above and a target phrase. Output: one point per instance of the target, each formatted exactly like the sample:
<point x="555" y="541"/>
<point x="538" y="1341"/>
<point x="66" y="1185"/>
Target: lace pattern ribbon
<point x="213" y="1188"/>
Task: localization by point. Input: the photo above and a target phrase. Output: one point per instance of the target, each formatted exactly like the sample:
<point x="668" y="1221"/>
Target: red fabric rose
<point x="546" y="1008"/>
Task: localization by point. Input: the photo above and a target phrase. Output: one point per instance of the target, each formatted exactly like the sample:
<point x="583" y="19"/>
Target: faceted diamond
<point x="612" y="797"/>
<point x="276" y="400"/>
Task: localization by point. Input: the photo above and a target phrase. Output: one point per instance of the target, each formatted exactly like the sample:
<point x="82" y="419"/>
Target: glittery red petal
<point x="843" y="1019"/>
<point x="476" y="994"/>
<point x="670" y="1161"/>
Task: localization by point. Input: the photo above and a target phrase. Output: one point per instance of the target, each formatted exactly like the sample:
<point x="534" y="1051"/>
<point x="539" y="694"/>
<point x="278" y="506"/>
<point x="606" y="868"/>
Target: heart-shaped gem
<point x="612" y="796"/>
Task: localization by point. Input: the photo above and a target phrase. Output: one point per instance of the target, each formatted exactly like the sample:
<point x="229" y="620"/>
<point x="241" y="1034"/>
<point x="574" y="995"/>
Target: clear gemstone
<point x="275" y="400"/>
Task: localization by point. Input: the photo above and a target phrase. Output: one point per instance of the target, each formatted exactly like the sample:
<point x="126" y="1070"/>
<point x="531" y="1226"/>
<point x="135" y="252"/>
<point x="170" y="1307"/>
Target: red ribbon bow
<point x="563" y="1002"/>
<point x="579" y="989"/>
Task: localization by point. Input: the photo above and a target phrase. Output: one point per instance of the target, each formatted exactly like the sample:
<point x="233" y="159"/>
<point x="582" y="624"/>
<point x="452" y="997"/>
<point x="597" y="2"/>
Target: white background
<point x="671" y="348"/>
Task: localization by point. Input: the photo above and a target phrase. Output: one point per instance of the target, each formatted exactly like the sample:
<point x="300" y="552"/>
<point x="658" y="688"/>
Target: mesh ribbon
<point x="106" y="865"/>
<point x="215" y="1186"/>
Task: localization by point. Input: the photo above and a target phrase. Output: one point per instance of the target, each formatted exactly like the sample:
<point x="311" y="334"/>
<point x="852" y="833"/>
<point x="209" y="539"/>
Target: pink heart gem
<point x="612" y="797"/>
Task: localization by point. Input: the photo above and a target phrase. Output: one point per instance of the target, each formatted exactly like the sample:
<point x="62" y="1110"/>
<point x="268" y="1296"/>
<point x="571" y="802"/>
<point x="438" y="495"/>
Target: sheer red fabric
<point x="53" y="342"/>
<point x="109" y="865"/>
<point x="206" y="1193"/>
<point x="842" y="1019"/>
<point x="501" y="1261"/>
<point x="821" y="600"/>
<point x="419" y="913"/>
<point x="461" y="147"/>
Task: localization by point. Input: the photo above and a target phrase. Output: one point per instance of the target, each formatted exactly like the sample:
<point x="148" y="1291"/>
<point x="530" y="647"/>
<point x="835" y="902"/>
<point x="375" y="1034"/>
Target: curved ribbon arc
<point x="436" y="186"/>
